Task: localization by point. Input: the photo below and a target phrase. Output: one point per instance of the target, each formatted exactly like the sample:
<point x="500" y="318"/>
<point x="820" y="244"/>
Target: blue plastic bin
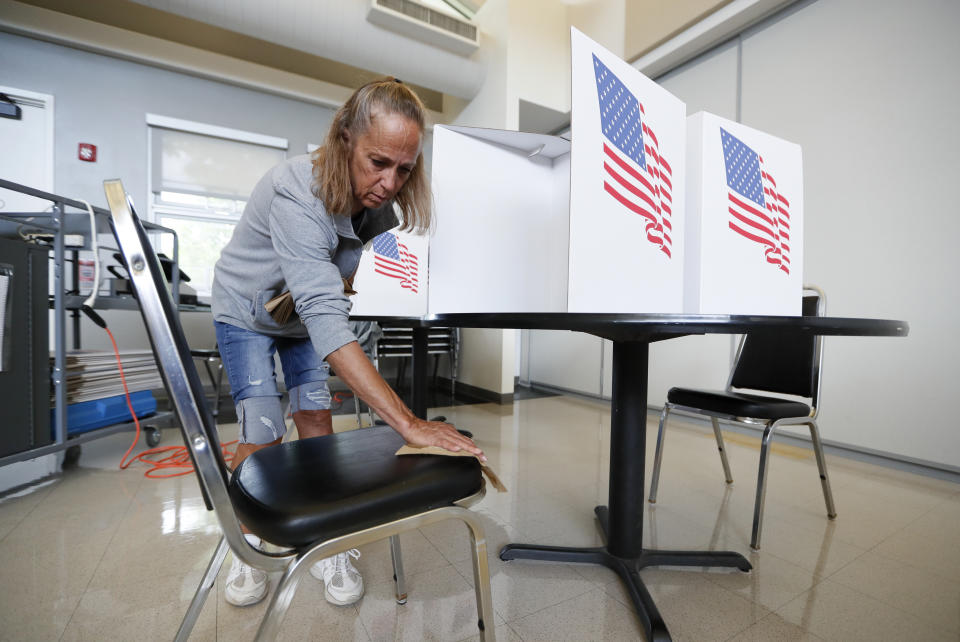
<point x="88" y="415"/>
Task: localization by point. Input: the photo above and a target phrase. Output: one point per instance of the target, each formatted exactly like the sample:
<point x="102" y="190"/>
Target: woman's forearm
<point x="352" y="366"/>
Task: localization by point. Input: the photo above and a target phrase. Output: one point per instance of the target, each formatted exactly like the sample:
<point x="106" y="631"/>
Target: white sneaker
<point x="245" y="585"/>
<point x="343" y="584"/>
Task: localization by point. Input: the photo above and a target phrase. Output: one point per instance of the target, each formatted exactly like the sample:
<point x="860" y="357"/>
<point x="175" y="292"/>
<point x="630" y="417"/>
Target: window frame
<point x="158" y="209"/>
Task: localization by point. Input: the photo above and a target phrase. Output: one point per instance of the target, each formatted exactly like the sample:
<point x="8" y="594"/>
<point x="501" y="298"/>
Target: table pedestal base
<point x="628" y="568"/>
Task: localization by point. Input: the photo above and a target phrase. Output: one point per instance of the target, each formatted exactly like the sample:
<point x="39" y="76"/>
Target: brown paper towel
<point x="281" y="307"/>
<point x="407" y="449"/>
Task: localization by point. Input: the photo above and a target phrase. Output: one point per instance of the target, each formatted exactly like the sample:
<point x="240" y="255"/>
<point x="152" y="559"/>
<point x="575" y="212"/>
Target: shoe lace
<point x="241" y="571"/>
<point x="342" y="561"/>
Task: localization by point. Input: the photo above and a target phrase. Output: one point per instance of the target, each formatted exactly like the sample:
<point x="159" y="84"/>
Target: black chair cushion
<point x="298" y="493"/>
<point x="737" y="404"/>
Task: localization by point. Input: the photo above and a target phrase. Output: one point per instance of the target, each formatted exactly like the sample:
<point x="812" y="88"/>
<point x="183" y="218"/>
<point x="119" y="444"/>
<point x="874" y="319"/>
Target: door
<point x="27" y="156"/>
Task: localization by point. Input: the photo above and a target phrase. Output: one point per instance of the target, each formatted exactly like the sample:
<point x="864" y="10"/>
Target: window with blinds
<point x="200" y="178"/>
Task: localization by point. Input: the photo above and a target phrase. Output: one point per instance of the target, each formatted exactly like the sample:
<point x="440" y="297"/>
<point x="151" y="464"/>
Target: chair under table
<point x="768" y="363"/>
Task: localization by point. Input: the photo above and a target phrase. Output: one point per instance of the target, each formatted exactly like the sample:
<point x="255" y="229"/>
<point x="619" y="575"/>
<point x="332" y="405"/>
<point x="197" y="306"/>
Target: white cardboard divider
<point x="502" y="220"/>
<point x="525" y="223"/>
<point x="627" y="188"/>
<point x="391" y="279"/>
<point x="744" y="244"/>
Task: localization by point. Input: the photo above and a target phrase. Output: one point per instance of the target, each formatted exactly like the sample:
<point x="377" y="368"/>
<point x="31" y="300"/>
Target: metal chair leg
<point x="219" y="388"/>
<point x="481" y="580"/>
<point x="658" y="458"/>
<point x="401" y="371"/>
<point x="453" y="380"/>
<point x="761" y="487"/>
<point x="196" y="605"/>
<point x="723" y="451"/>
<point x="822" y="465"/>
<point x="398" y="578"/>
<point x="356" y="407"/>
<point x="454" y="356"/>
<point x="280" y="601"/>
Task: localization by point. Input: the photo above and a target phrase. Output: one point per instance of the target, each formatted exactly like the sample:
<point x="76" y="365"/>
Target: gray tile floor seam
<point x="875" y="547"/>
<point x="902" y="615"/>
<point x="549" y="606"/>
<point x="100" y="561"/>
<point x="713" y="579"/>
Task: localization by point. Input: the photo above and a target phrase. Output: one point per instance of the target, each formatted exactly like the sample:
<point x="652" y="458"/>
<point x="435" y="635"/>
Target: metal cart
<point x="64" y="217"/>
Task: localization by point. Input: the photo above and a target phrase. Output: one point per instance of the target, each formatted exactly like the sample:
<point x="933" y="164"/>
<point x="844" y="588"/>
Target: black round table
<point x="631" y="334"/>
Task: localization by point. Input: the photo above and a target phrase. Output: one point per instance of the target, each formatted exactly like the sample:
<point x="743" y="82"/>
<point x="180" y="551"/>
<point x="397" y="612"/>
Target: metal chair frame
<point x="199" y="433"/>
<point x="211" y="359"/>
<point x="769" y="428"/>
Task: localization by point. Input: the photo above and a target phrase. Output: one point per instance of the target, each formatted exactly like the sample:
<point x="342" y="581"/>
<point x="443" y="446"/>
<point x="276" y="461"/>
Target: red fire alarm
<point x="87" y="152"/>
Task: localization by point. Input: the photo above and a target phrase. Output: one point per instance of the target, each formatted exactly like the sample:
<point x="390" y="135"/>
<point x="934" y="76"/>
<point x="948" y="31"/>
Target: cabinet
<point x="24" y="355"/>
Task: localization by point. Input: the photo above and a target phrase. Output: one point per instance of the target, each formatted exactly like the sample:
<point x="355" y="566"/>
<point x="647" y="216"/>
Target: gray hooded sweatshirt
<point x="286" y="240"/>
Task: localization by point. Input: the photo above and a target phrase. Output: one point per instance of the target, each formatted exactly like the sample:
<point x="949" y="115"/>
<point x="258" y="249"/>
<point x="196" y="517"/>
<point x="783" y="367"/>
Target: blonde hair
<point x="331" y="162"/>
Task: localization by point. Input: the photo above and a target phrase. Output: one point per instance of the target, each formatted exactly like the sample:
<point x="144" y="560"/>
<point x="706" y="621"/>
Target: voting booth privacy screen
<point x="645" y="211"/>
<point x="744" y="220"/>
<point x="501" y="235"/>
<point x="528" y="224"/>
<point x="627" y="187"/>
<point x="391" y="279"/>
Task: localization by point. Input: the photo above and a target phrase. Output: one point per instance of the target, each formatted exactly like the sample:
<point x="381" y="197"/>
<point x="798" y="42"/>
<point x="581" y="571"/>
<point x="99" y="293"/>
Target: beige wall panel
<point x="879" y="131"/>
<point x="602" y="21"/>
<point x="651" y="22"/>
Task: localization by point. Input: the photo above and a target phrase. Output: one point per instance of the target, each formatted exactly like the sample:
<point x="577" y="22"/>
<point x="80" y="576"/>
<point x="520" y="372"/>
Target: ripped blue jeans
<point x="248" y="359"/>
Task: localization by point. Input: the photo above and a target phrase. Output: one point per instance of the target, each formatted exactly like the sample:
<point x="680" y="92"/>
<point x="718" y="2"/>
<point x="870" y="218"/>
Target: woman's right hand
<point x="437" y="433"/>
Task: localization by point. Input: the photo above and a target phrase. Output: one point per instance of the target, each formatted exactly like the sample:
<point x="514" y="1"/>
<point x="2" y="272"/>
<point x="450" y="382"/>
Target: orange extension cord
<point x="176" y="459"/>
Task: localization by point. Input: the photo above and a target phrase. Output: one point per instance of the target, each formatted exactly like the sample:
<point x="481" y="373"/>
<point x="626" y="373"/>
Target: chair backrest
<point x="169" y="347"/>
<point x="440" y="340"/>
<point x="398" y="342"/>
<point x="786" y="363"/>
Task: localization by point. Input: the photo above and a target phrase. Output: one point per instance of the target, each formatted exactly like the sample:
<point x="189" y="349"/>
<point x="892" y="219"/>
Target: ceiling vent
<point x="418" y="21"/>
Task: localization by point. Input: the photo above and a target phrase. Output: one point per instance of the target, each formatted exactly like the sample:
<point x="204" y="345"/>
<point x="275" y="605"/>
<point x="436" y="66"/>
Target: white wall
<point x="104" y="101"/>
<point x="489" y="107"/>
<point x="481" y="350"/>
<point x="538" y="67"/>
<point x="867" y="92"/>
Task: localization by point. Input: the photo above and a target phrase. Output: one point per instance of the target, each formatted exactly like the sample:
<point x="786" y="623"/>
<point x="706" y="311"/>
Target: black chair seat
<point x="297" y="493"/>
<point x="737" y="404"/>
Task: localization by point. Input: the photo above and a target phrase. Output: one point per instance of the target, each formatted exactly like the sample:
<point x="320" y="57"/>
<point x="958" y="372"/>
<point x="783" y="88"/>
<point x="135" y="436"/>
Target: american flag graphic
<point x="392" y="258"/>
<point x="637" y="176"/>
<point x="757" y="210"/>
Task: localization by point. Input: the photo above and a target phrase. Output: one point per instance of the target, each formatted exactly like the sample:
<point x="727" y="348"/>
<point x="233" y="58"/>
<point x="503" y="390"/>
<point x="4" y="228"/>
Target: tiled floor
<point x="103" y="554"/>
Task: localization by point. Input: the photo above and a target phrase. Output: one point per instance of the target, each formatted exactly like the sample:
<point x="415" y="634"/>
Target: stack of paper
<point x="94" y="375"/>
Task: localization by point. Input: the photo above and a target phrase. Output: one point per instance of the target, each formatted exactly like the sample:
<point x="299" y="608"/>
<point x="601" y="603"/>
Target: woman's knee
<point x="313" y="395"/>
<point x="261" y="420"/>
